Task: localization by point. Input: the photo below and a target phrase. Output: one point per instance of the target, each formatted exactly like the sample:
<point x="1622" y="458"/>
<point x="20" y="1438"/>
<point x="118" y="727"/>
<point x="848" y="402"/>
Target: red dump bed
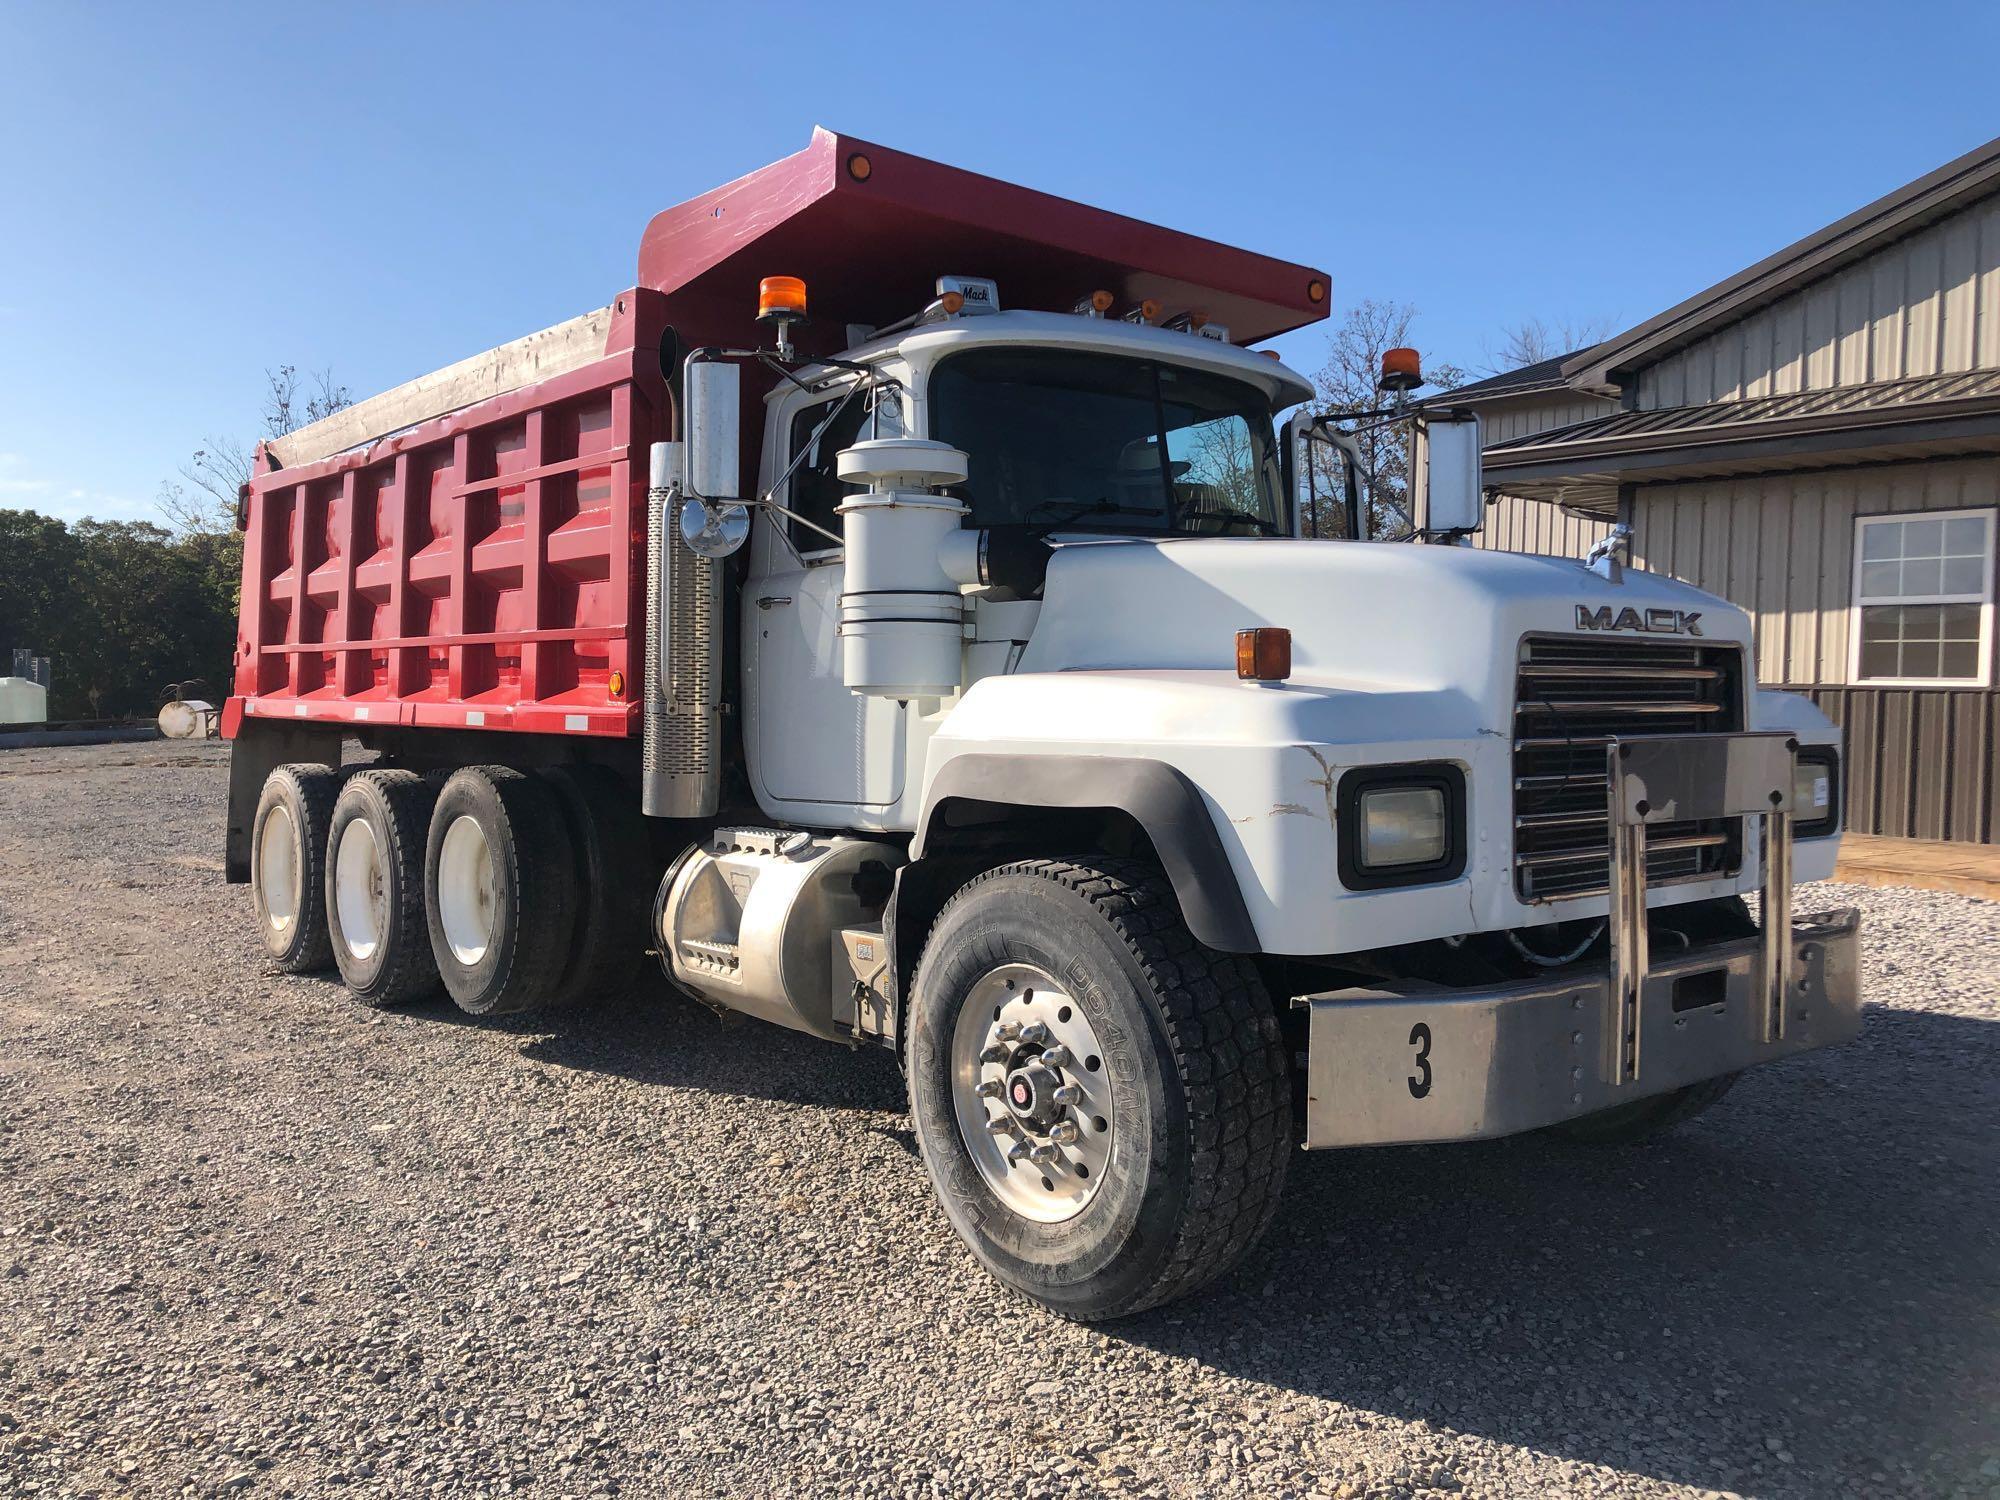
<point x="484" y="567"/>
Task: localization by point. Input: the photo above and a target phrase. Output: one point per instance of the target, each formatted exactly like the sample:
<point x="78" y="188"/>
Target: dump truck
<point x="913" y="615"/>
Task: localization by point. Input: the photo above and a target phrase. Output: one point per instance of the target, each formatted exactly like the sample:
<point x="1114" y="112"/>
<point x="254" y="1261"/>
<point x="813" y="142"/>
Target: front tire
<point x="1189" y="1085"/>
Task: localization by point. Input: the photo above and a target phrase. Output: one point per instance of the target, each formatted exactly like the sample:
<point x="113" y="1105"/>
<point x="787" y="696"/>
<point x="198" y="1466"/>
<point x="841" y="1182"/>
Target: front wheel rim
<point x="360" y="893"/>
<point x="466" y="904"/>
<point x="1032" y="1094"/>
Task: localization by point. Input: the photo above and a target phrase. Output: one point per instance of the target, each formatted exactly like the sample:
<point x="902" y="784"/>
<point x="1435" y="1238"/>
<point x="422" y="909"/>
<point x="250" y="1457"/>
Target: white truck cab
<point x="1456" y="839"/>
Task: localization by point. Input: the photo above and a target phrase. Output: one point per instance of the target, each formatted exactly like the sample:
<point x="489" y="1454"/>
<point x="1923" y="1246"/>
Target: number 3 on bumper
<point x="1420" y="1081"/>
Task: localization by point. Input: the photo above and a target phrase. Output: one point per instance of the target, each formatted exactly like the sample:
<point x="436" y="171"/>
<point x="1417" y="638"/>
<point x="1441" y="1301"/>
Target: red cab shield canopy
<point x="870" y="230"/>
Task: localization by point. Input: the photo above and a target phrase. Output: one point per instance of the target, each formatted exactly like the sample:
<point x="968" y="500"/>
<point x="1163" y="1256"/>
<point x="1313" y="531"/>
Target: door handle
<point x="772" y="601"/>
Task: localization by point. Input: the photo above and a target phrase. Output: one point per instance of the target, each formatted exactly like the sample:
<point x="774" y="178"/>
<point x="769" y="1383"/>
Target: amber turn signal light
<point x="781" y="298"/>
<point x="1264" y="654"/>
<point x="859" y="167"/>
<point x="617" y="684"/>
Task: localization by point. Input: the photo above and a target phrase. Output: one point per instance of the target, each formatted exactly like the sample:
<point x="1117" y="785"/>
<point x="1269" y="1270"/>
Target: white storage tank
<point x="23" y="701"/>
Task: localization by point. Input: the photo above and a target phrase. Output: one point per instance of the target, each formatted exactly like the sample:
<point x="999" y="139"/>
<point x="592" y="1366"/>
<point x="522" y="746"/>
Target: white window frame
<point x="1984" y="599"/>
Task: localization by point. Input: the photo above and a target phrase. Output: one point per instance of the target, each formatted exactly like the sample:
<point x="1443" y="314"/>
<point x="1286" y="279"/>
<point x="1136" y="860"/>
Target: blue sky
<point x="195" y="192"/>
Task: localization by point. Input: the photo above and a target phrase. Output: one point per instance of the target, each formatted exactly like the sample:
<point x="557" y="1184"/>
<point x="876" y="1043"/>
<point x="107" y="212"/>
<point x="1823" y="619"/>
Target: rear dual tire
<point x="500" y="890"/>
<point x="288" y="843"/>
<point x="375" y="887"/>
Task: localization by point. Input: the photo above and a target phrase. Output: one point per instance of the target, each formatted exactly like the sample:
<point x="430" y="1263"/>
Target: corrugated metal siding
<point x="1919" y="764"/>
<point x="1517" y="525"/>
<point x="1925" y="305"/>
<point x="1782" y="547"/>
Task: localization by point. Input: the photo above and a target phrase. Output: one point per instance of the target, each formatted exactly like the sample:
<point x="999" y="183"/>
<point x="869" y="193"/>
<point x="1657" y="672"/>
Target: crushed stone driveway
<point x="256" y="1239"/>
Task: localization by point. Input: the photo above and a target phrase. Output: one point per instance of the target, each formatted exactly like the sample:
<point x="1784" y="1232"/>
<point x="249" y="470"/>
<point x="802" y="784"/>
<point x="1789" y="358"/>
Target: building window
<point x="1923" y="598"/>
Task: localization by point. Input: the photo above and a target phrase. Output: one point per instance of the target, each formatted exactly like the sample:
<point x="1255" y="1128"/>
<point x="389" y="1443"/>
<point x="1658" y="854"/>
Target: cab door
<point x="818" y="753"/>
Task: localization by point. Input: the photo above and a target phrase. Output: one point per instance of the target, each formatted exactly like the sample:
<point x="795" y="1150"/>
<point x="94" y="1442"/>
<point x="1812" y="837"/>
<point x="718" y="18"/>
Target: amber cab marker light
<point x="780" y="297"/>
<point x="952" y="302"/>
<point x="617" y="684"/>
<point x="1149" y="311"/>
<point x="1264" y="654"/>
<point x="1315" y="290"/>
<point x="1101" y="301"/>
<point x="859" y="167"/>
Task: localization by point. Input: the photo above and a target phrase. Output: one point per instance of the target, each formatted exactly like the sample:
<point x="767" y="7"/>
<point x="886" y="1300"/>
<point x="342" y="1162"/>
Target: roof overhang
<point x="1582" y="466"/>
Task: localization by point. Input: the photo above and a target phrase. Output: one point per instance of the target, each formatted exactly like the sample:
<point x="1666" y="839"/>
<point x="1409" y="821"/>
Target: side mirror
<point x="1454" y="498"/>
<point x="713" y="397"/>
<point x="1322" y="468"/>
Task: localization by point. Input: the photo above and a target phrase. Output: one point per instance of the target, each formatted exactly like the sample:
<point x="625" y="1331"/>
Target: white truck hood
<point x="1365" y="616"/>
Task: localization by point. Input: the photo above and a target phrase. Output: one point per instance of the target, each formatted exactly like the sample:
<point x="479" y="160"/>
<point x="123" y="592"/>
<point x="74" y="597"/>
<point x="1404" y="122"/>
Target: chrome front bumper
<point x="1409" y="1063"/>
<point x="1402" y="1065"/>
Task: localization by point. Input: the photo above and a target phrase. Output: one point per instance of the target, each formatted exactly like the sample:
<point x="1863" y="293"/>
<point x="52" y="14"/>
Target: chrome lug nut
<point x="1057" y="1057"/>
<point x="1011" y="1032"/>
<point x="1035" y="1035"/>
<point x="1069" y="1093"/>
<point x="1064" y="1132"/>
<point x="1043" y="1155"/>
<point x="1017" y="1153"/>
<point x="1004" y="1125"/>
<point x="990" y="1089"/>
<point x="995" y="1054"/>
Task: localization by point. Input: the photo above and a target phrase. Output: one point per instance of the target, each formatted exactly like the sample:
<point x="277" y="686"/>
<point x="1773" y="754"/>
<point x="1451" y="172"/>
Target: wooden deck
<point x="1973" y="869"/>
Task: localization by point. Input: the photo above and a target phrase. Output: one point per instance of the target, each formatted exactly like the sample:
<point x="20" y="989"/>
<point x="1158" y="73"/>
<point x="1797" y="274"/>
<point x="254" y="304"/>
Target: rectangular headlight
<point x="1816" y="792"/>
<point x="1403" y="826"/>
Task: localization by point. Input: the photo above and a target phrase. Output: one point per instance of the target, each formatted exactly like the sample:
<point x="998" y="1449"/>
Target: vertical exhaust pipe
<point x="681" y="771"/>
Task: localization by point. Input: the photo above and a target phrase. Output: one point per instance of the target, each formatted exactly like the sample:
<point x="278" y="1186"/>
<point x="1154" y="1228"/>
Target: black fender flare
<point x="1158" y="797"/>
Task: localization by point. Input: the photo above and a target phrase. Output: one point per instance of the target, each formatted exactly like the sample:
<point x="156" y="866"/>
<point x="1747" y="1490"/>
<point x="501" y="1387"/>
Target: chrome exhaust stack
<point x="681" y="760"/>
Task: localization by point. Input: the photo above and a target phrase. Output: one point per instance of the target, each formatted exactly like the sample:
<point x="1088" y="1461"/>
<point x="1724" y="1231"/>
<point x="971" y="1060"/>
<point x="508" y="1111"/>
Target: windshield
<point x="1101" y="442"/>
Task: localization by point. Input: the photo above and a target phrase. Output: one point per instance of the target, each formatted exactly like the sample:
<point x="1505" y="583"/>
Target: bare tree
<point x="1533" y="340"/>
<point x="1347" y="383"/>
<point x="203" y="499"/>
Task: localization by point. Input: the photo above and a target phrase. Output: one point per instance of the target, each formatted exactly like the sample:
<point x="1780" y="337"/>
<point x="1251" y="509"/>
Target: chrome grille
<point x="1572" y="695"/>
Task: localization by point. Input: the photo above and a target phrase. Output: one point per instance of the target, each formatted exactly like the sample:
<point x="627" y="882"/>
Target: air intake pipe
<point x="901" y="614"/>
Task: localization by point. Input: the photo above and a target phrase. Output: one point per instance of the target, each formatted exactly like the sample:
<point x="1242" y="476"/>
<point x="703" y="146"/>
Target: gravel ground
<point x="254" y="1238"/>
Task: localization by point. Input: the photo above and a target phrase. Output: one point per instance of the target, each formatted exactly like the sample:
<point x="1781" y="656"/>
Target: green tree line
<point x="121" y="609"/>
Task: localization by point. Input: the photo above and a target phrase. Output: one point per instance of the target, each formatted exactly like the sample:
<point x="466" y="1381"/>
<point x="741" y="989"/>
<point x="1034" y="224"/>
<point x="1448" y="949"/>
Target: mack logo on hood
<point x="1652" y="621"/>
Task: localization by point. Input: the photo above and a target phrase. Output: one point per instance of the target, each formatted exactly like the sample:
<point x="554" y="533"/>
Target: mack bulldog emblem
<point x="1650" y="621"/>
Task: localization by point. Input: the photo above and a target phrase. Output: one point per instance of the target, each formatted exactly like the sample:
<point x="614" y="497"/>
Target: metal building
<point x="1818" y="440"/>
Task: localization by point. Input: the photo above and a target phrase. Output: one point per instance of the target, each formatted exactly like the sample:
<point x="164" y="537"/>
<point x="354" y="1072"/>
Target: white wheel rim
<point x="1043" y="1153"/>
<point x="278" y="869"/>
<point x="466" y="905"/>
<point x="360" y="889"/>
